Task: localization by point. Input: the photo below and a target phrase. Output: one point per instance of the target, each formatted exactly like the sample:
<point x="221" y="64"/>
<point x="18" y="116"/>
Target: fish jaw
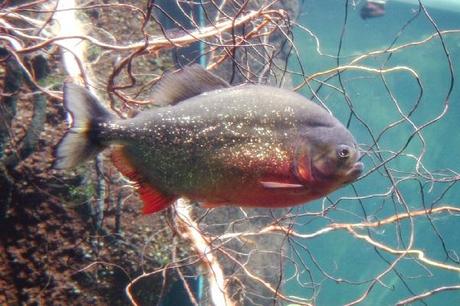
<point x="354" y="173"/>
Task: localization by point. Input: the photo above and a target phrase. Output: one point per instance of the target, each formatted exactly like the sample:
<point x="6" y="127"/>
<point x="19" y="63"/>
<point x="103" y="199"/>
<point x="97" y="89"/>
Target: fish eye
<point x="343" y="151"/>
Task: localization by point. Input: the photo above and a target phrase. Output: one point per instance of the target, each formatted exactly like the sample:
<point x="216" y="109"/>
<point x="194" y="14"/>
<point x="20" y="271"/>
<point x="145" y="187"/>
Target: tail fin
<point x="81" y="142"/>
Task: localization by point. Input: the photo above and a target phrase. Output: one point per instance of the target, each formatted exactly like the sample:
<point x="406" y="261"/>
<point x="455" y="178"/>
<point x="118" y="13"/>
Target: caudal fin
<point x="81" y="143"/>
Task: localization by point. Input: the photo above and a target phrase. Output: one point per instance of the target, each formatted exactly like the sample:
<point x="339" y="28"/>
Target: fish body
<point x="249" y="145"/>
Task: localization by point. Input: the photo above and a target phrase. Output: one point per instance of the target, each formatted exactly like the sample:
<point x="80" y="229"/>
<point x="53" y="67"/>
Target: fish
<point x="247" y="145"/>
<point x="372" y="9"/>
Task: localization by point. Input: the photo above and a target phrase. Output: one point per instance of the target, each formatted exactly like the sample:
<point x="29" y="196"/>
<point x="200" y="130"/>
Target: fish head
<point x="328" y="157"/>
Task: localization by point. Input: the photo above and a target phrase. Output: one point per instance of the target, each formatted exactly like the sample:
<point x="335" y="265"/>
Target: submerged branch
<point x="424" y="295"/>
<point x="214" y="273"/>
<point x="350" y="227"/>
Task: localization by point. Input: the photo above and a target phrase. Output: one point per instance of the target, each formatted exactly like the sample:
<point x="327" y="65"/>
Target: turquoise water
<point x="338" y="255"/>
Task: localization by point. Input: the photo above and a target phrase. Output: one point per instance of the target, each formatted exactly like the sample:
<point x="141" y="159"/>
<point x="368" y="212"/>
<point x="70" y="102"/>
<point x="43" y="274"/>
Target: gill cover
<point x="301" y="166"/>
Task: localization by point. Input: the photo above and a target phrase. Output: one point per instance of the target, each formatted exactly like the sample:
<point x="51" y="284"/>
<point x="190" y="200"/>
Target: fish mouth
<point x="354" y="172"/>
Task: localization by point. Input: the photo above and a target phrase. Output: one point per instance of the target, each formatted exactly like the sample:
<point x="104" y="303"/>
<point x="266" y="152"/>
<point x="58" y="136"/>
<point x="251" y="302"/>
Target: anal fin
<point x="154" y="200"/>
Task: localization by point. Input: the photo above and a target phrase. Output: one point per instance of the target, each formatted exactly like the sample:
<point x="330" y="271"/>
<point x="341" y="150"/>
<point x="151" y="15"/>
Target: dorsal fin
<point x="154" y="200"/>
<point x="186" y="83"/>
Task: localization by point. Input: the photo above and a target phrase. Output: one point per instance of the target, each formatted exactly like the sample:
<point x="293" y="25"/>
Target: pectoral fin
<point x="278" y="185"/>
